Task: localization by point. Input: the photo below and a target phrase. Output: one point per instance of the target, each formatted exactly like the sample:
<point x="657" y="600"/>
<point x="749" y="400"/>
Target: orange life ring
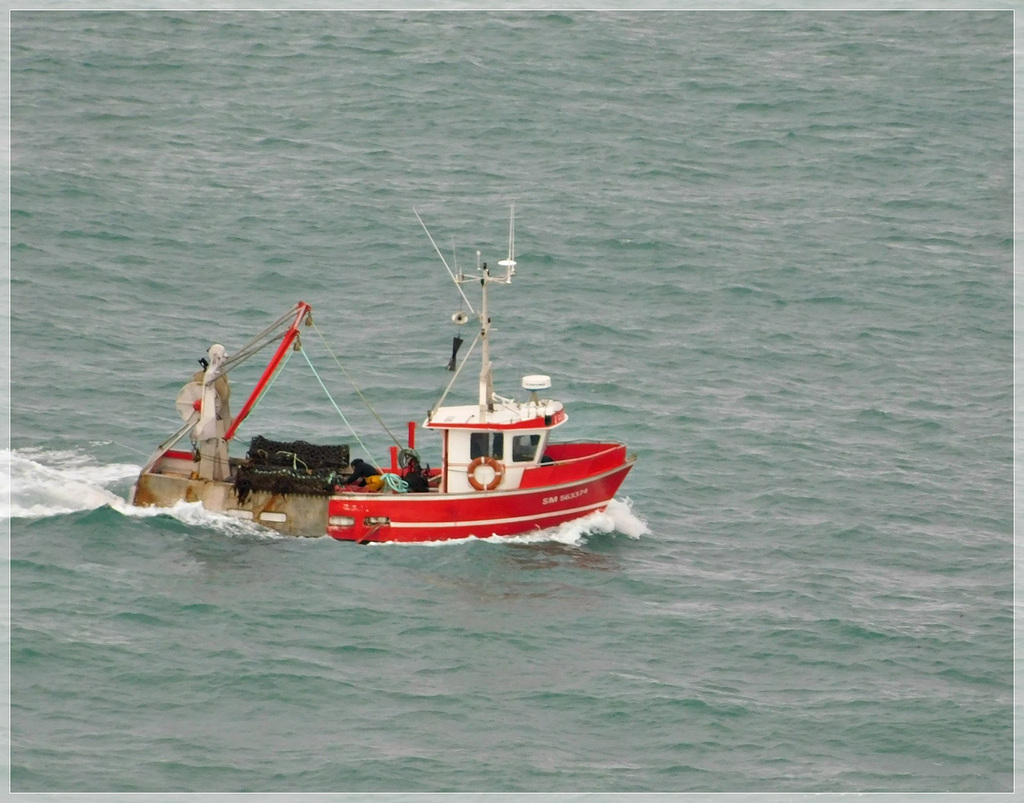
<point x="496" y="467"/>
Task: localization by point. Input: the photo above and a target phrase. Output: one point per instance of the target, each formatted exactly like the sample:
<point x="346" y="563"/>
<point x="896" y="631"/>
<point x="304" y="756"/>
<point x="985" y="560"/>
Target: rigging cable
<point x="253" y="346"/>
<point x="331" y="398"/>
<point x="273" y="378"/>
<point x="354" y="385"/>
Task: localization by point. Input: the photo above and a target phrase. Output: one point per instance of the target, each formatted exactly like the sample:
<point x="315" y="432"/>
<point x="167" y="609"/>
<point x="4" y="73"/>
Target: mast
<point x="486" y="378"/>
<point x="509" y="264"/>
<point x="486" y="381"/>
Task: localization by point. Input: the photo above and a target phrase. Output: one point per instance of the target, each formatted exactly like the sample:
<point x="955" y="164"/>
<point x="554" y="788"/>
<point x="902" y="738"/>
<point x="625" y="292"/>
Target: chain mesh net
<point x="281" y="480"/>
<point x="297" y="454"/>
<point x="290" y="467"/>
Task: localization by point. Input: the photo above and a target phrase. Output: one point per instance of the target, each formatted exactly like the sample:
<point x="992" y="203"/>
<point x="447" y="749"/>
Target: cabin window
<point x="524" y="447"/>
<point x="486" y="444"/>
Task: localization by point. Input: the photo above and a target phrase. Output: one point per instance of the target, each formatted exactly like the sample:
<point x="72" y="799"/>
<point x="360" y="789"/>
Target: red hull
<point x="440" y="517"/>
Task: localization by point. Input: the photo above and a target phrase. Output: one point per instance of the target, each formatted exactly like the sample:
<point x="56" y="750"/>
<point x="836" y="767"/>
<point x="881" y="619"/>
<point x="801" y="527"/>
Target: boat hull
<point x="439" y="517"/>
<point x="371" y="517"/>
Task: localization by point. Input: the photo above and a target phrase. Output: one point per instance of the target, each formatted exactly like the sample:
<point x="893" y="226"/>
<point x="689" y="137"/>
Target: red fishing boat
<point x="500" y="473"/>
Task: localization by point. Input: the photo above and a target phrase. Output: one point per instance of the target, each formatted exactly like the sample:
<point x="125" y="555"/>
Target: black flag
<point x="456" y="342"/>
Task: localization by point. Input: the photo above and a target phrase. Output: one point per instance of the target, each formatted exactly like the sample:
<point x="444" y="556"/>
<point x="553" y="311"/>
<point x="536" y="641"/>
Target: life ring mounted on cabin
<point x="494" y="465"/>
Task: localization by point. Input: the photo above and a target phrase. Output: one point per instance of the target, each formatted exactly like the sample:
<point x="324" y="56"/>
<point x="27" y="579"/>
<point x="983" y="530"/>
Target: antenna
<point x="438" y="250"/>
<point x="510" y="264"/>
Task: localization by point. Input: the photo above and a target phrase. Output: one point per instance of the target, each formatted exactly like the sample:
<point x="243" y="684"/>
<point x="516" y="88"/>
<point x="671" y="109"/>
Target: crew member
<point x="417" y="478"/>
<point x="364" y="475"/>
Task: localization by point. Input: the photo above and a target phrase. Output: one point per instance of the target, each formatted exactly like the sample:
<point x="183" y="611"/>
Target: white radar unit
<point x="535" y="382"/>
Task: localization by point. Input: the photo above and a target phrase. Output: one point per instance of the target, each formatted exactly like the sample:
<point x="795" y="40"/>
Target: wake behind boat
<point x="500" y="470"/>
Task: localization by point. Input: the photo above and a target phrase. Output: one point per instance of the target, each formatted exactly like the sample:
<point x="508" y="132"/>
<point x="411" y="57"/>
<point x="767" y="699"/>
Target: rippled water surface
<point x="770" y="251"/>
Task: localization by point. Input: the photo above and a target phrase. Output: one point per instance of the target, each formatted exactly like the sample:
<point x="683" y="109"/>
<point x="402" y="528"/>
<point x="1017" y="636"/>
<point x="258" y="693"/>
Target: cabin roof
<point x="505" y="415"/>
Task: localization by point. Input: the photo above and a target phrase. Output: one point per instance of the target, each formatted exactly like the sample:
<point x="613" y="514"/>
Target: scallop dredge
<point x="291" y="467"/>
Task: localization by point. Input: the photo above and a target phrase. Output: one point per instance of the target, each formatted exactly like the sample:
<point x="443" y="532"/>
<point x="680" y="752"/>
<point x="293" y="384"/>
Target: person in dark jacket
<point x="417" y="478"/>
<point x="361" y="472"/>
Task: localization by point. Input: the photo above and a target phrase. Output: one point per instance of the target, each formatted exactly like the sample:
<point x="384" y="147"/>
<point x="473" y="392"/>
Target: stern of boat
<point x="172" y="479"/>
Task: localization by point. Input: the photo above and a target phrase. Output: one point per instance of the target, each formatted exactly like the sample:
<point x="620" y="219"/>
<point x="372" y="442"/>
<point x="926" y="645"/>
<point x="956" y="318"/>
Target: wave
<point x="43" y="484"/>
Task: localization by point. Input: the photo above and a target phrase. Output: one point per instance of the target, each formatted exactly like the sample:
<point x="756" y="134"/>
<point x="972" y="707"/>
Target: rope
<point x="295" y="461"/>
<point x="395" y="483"/>
<point x="331" y="399"/>
<point x="129" y="448"/>
<point x="354" y="385"/>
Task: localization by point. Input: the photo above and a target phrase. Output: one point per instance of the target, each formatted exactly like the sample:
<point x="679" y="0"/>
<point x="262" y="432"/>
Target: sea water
<point x="771" y="251"/>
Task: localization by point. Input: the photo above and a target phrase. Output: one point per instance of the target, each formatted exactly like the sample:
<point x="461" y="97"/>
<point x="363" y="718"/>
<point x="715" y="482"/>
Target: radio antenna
<point x="510" y="264"/>
<point x="438" y="250"/>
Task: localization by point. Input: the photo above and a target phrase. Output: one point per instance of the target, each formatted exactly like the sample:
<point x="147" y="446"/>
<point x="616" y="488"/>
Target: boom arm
<point x="302" y="310"/>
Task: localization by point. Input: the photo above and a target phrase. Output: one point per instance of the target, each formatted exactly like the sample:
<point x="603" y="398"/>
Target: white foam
<point x="617" y="517"/>
<point x="195" y="515"/>
<point x="44" y="483"/>
<point x="52" y="483"/>
<point x="626" y="521"/>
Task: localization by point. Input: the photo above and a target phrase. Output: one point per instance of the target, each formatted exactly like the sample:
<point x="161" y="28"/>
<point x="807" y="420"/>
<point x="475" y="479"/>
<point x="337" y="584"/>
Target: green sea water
<point x="771" y="251"/>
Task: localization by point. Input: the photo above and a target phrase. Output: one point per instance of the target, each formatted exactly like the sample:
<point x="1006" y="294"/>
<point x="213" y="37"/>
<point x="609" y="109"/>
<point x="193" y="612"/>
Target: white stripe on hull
<point x="490" y="522"/>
